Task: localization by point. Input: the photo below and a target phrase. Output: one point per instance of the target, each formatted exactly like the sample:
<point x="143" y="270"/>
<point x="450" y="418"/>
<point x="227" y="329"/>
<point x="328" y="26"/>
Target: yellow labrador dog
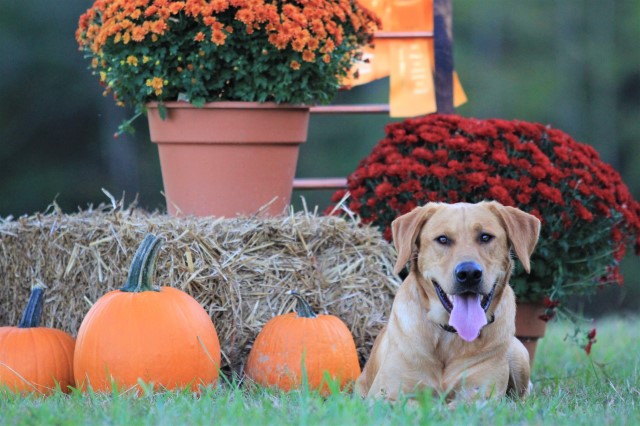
<point x="452" y="324"/>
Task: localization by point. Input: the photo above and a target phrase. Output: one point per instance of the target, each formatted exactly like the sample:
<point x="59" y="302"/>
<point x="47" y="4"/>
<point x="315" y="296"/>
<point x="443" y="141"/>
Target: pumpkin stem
<point x="302" y="308"/>
<point x="143" y="266"/>
<point x="33" y="311"/>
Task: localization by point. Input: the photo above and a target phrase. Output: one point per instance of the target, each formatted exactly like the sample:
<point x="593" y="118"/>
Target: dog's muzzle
<point x="448" y="305"/>
<point x="467" y="307"/>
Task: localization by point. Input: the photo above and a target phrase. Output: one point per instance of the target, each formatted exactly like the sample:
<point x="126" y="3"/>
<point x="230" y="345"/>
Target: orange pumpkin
<point x="323" y="343"/>
<point x="35" y="358"/>
<point x="159" y="335"/>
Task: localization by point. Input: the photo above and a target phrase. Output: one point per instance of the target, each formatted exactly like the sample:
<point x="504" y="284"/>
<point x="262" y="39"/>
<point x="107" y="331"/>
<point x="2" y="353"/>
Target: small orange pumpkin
<point x="34" y="358"/>
<point x="322" y="342"/>
<point x="159" y="335"/>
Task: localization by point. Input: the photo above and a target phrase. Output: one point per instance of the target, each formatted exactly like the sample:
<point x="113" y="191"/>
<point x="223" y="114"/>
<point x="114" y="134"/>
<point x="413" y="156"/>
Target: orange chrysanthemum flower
<point x="219" y="5"/>
<point x="188" y="42"/>
<point x="313" y="44"/>
<point x="298" y="44"/>
<point x="156" y="83"/>
<point x="138" y="33"/>
<point x="176" y="7"/>
<point x="159" y="27"/>
<point x="308" y="56"/>
<point x="132" y="60"/>
<point x="246" y="16"/>
<point x="218" y="37"/>
<point x="151" y="10"/>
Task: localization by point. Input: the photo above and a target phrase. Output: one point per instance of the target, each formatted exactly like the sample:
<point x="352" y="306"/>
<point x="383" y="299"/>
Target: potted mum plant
<point x="588" y="214"/>
<point x="194" y="65"/>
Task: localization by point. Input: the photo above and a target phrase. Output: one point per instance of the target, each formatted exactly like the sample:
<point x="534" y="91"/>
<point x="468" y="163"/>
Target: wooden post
<point x="443" y="46"/>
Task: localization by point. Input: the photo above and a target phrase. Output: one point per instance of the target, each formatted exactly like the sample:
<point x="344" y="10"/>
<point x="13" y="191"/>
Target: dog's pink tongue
<point x="467" y="316"/>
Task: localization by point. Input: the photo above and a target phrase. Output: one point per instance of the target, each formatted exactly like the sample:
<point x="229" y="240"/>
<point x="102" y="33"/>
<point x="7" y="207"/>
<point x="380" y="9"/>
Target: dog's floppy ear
<point x="405" y="231"/>
<point x="522" y="229"/>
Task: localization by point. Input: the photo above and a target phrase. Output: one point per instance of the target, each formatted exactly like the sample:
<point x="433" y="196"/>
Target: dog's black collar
<point x="451" y="329"/>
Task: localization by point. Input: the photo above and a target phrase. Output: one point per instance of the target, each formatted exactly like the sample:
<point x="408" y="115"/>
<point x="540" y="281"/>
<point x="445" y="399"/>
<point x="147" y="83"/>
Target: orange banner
<point x="409" y="63"/>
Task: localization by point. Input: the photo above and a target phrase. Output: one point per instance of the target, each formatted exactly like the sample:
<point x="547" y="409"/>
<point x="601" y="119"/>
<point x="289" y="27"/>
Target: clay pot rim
<point x="229" y="105"/>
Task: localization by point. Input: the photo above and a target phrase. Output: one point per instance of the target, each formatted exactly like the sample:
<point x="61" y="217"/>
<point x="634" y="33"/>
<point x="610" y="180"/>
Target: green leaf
<point x="162" y="110"/>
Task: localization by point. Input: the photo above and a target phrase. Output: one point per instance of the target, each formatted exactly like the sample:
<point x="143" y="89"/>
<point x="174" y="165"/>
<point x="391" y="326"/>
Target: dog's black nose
<point x="468" y="274"/>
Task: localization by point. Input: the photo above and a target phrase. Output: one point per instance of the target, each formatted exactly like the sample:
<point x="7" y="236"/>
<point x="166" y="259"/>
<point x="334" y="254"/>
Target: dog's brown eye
<point x="442" y="240"/>
<point x="485" y="238"/>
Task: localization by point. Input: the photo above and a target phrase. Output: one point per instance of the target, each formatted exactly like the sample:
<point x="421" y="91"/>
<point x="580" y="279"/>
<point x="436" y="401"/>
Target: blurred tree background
<point x="572" y="64"/>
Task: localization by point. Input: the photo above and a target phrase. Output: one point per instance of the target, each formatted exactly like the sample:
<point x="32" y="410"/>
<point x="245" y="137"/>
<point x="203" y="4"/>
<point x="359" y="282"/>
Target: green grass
<point x="569" y="388"/>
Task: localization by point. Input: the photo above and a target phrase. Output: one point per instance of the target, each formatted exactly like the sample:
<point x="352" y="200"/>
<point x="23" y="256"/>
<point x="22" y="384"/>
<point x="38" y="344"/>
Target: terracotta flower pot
<point x="529" y="326"/>
<point x="228" y="158"/>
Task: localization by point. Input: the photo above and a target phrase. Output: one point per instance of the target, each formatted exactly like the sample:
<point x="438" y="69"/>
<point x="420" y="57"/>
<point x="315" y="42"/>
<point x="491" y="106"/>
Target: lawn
<point x="569" y="388"/>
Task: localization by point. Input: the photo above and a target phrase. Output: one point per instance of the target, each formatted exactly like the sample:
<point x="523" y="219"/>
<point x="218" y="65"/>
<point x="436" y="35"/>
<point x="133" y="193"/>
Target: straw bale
<point x="239" y="269"/>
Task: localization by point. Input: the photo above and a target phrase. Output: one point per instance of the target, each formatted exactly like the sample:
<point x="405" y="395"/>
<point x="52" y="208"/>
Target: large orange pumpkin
<point x="159" y="335"/>
<point x="321" y="344"/>
<point x="33" y="358"/>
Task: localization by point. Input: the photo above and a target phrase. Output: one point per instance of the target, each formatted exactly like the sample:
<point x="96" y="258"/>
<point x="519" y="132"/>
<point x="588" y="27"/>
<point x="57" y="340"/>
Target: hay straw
<point x="240" y="270"/>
